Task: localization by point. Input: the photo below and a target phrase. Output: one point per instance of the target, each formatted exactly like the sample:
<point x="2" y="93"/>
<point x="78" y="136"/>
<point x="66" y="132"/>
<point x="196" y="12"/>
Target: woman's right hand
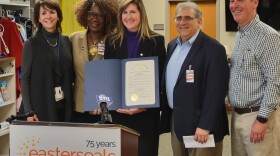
<point x="33" y="118"/>
<point x="95" y="112"/>
<point x="131" y="111"/>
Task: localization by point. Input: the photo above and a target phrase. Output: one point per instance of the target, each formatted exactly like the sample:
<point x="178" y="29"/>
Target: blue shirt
<point x="174" y="66"/>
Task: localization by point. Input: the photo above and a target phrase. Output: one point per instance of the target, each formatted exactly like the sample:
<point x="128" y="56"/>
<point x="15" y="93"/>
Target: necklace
<point x="53" y="45"/>
<point x="93" y="50"/>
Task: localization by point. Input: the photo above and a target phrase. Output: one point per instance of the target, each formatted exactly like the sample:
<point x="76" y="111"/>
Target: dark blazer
<point x="199" y="104"/>
<point x="40" y="75"/>
<point x="147" y="123"/>
<point x="147" y="47"/>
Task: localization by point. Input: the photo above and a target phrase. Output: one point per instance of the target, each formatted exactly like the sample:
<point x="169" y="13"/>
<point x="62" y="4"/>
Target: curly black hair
<point x="109" y="7"/>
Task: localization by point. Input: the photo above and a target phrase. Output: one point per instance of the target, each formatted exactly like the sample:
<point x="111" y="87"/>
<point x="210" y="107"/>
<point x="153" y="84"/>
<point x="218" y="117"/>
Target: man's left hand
<point x="201" y="135"/>
<point x="257" y="132"/>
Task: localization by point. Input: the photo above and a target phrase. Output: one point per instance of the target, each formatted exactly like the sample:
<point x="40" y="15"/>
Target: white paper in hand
<point x="191" y="143"/>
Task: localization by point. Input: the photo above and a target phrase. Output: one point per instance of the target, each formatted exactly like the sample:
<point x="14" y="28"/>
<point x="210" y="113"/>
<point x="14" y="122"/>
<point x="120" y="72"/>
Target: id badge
<point x="190" y="75"/>
<point x="101" y="48"/>
<point x="58" y="94"/>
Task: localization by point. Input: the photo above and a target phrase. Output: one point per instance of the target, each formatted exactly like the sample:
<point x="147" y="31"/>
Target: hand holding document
<point x="191" y="143"/>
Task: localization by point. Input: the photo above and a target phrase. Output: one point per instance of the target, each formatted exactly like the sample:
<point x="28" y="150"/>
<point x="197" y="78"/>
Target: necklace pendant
<point x="93" y="50"/>
<point x="52" y="45"/>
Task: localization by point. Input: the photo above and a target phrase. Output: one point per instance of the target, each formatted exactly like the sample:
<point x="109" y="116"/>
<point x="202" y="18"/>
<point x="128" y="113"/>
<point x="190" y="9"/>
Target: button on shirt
<point x="174" y="66"/>
<point x="255" y="71"/>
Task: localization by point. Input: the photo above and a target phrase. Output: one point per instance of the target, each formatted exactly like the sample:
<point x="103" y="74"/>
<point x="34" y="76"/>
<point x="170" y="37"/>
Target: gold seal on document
<point x="134" y="97"/>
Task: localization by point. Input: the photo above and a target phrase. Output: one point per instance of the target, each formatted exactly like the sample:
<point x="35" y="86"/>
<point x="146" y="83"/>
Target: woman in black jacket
<point x="47" y="69"/>
<point x="134" y="38"/>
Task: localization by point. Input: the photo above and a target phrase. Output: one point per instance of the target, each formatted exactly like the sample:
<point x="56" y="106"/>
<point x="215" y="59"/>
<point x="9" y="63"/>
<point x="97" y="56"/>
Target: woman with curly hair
<point x="99" y="18"/>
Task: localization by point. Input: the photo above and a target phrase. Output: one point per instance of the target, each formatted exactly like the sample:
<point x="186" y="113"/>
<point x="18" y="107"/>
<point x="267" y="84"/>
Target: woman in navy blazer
<point x="133" y="39"/>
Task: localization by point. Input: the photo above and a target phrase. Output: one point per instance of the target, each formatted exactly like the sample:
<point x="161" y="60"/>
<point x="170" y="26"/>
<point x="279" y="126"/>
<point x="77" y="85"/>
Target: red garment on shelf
<point x="12" y="39"/>
<point x="14" y="43"/>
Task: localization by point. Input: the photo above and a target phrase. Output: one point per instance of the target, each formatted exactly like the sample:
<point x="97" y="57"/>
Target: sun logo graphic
<point x="26" y="145"/>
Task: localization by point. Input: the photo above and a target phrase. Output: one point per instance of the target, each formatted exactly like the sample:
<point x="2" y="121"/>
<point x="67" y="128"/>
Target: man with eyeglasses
<point x="194" y="86"/>
<point x="254" y="88"/>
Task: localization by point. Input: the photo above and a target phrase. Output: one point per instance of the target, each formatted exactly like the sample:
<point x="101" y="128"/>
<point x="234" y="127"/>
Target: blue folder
<point x="105" y="82"/>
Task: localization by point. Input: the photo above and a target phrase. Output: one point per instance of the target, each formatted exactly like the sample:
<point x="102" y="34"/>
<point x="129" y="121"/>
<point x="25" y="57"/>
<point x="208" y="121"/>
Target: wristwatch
<point x="262" y="119"/>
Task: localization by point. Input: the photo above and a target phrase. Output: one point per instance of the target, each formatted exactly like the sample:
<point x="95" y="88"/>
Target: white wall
<point x="225" y="38"/>
<point x="158" y="13"/>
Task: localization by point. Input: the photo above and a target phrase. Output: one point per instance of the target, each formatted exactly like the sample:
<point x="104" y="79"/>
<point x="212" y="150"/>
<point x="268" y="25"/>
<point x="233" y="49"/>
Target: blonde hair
<point x="144" y="30"/>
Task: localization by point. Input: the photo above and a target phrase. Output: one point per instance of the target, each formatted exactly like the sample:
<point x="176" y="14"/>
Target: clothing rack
<point x="16" y="16"/>
<point x="7" y="13"/>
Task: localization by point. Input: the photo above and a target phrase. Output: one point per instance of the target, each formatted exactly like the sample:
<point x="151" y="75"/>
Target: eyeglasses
<point x="186" y="18"/>
<point x="91" y="14"/>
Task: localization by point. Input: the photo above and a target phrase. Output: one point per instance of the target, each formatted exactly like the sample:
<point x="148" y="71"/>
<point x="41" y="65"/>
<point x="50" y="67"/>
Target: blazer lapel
<point x="98" y="57"/>
<point x="122" y="50"/>
<point x="142" y="49"/>
<point x="192" y="53"/>
<point x="170" y="49"/>
<point x="83" y="45"/>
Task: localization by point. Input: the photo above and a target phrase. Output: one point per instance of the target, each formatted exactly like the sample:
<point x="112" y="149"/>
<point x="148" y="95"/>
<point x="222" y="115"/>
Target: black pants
<point x="147" y="124"/>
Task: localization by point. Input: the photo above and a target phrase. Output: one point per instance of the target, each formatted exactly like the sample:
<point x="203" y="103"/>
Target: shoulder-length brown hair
<point x="51" y="4"/>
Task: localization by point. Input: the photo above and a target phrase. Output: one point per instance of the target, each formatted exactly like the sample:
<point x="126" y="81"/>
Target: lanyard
<point x="58" y="48"/>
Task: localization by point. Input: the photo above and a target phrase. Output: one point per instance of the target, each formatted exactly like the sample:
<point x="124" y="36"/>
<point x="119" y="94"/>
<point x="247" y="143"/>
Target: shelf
<point x="14" y="4"/>
<point x="8" y="74"/>
<point x="4" y="132"/>
<point x="6" y="58"/>
<point x="7" y="108"/>
<point x="6" y="103"/>
<point x="25" y="7"/>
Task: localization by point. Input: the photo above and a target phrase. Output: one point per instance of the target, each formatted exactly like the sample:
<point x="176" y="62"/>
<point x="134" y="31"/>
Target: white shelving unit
<point x="8" y="107"/>
<point x="23" y="5"/>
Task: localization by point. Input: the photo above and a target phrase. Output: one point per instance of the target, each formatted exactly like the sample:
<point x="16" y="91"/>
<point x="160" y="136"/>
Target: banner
<point x="37" y="140"/>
